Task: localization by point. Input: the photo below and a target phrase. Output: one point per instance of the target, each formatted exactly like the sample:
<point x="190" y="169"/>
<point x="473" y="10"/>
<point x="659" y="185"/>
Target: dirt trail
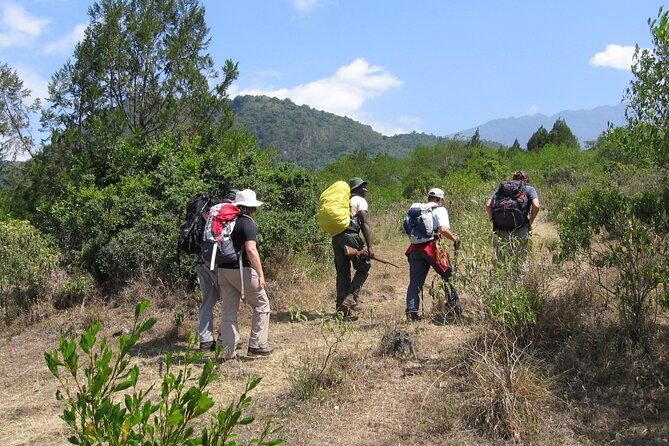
<point x="382" y="407"/>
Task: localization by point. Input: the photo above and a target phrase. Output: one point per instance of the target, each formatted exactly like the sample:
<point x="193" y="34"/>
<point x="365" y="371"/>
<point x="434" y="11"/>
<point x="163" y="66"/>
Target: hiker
<point x="208" y="281"/>
<point x="512" y="209"/>
<point x="245" y="240"/>
<point x="348" y="290"/>
<point x="423" y="252"/>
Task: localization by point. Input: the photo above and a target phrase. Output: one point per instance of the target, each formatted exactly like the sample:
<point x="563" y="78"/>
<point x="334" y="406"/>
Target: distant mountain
<point x="586" y="125"/>
<point x="313" y="138"/>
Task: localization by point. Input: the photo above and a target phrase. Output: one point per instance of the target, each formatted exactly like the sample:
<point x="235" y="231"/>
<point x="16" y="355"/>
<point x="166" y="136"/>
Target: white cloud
<point x="38" y="86"/>
<point x="19" y="27"/>
<point x="534" y="109"/>
<point x="615" y="56"/>
<point x="305" y="5"/>
<point x="343" y="93"/>
<point x="65" y="43"/>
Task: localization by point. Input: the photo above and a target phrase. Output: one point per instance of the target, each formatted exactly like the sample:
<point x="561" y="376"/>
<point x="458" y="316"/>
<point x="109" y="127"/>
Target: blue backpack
<point x="420" y="223"/>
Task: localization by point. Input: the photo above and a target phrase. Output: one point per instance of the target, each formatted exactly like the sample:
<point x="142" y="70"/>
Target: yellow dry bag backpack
<point x="334" y="214"/>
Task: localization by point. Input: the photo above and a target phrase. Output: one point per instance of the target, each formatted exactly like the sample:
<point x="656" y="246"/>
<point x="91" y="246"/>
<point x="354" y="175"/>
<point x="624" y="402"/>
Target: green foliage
<point x="314" y="138"/>
<point x="77" y="287"/>
<point x="484" y="163"/>
<point x="122" y="222"/>
<point x="15" y="110"/>
<point x="418" y="185"/>
<point x="561" y="135"/>
<point x="27" y="258"/>
<point x="475" y="140"/>
<point x="513" y="304"/>
<point x="516" y="145"/>
<point x="105" y="405"/>
<point x="141" y="69"/>
<point x="623" y="239"/>
<point x="648" y="112"/>
<point x="538" y="139"/>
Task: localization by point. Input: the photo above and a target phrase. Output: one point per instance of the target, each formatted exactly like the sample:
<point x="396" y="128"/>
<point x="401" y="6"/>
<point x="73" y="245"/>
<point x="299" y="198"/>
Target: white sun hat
<point x="436" y="192"/>
<point x="247" y="198"/>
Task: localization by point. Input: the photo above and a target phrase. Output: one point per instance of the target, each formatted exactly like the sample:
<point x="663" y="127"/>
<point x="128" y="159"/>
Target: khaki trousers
<point x="210" y="295"/>
<point x="230" y="285"/>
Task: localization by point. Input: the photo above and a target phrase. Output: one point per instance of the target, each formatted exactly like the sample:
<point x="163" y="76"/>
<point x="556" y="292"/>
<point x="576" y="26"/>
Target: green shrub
<point x="623" y="239"/>
<point x="121" y="223"/>
<point x="76" y="289"/>
<point x="417" y="185"/>
<point x="27" y="258"/>
<point x="105" y="405"/>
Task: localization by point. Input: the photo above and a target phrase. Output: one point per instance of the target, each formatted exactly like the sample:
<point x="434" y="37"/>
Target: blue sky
<point x="432" y="66"/>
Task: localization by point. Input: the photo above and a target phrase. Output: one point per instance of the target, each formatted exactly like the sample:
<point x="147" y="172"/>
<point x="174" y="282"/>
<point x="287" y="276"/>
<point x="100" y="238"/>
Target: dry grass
<point x="507" y="396"/>
<point x="376" y="400"/>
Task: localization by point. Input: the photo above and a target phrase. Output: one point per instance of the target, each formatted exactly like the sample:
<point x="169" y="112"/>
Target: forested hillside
<point x="313" y="138"/>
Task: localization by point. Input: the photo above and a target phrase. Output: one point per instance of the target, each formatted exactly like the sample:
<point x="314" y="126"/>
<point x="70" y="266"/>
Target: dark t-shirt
<point x="245" y="230"/>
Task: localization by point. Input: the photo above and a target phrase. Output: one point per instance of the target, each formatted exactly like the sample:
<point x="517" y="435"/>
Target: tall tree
<point x="15" y="110"/>
<point x="142" y="70"/>
<point x="475" y="140"/>
<point x="538" y="139"/>
<point x="648" y="93"/>
<point x="561" y="135"/>
<point x="516" y="145"/>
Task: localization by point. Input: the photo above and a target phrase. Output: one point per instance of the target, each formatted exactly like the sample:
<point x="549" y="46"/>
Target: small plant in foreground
<point x="105" y="406"/>
<point x="296" y="314"/>
<point x="317" y="372"/>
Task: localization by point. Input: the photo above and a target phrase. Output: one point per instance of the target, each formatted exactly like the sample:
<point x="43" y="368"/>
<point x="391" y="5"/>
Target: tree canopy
<point x="141" y="70"/>
<point x="648" y="93"/>
<point x="561" y="134"/>
<point x="15" y="110"/>
<point x="538" y="139"/>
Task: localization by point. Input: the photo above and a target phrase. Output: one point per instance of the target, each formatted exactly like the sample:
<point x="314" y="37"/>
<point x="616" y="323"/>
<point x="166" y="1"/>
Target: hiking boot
<point x="208" y="346"/>
<point x="345" y="307"/>
<point x="266" y="351"/>
<point x="413" y="317"/>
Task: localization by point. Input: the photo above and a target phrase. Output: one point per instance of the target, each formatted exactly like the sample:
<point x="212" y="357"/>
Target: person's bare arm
<point x="536" y="205"/>
<point x="445" y="232"/>
<point x="254" y="259"/>
<point x="363" y="218"/>
<point x="488" y="208"/>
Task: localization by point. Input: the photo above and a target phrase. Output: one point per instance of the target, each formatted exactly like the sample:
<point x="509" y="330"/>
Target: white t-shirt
<point x="439" y="212"/>
<point x="358" y="204"/>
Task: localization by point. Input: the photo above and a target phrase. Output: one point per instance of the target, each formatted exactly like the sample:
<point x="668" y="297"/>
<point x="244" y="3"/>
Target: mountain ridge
<point x="314" y="138"/>
<point x="586" y="124"/>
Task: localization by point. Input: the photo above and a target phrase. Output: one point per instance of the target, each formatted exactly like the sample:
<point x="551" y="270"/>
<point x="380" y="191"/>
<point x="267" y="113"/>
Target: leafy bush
<point x="417" y="185"/>
<point x="77" y="287"/>
<point x="104" y="404"/>
<point x="623" y="241"/>
<point x="122" y="223"/>
<point x="27" y="258"/>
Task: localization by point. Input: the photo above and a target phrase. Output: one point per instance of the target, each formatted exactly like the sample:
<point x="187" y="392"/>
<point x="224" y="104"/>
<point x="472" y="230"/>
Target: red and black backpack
<point x="510" y="206"/>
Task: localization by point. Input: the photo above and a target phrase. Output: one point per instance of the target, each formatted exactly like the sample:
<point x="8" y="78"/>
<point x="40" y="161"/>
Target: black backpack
<point x="192" y="229"/>
<point x="510" y="206"/>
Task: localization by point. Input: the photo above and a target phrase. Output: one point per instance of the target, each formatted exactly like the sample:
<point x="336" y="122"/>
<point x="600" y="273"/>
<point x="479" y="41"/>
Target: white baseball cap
<point x="436" y="192"/>
<point x="247" y="198"/>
